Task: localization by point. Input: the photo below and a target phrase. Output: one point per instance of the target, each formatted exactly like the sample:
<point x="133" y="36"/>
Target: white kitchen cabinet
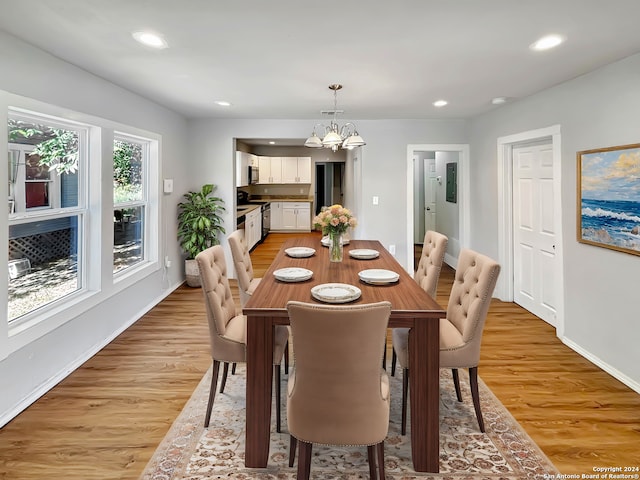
<point x="270" y="170"/>
<point x="296" y="169"/>
<point x="296" y="216"/>
<point x="276" y="215"/>
<point x="253" y="227"/>
<point x="242" y="169"/>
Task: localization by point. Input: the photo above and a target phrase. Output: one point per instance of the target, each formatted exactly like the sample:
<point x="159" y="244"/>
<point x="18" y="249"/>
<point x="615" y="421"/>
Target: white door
<point x="534" y="234"/>
<point x="430" y="189"/>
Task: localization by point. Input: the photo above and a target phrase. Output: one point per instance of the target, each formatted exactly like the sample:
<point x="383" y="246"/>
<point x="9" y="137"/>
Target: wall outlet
<point x="266" y="190"/>
<point x="392" y="250"/>
<point x="301" y="190"/>
<point x="376" y="200"/>
<point x="167" y="261"/>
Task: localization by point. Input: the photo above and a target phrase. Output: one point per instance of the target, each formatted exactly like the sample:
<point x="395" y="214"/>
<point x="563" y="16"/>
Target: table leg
<point x="424" y="393"/>
<point x="259" y="384"/>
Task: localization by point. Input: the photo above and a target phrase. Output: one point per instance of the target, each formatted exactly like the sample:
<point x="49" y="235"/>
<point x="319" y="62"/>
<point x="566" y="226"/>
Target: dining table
<point x="411" y="307"/>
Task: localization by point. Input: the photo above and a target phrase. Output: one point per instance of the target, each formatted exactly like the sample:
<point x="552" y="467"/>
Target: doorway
<point x="329" y="184"/>
<point x="430" y="182"/>
<point x="530" y="229"/>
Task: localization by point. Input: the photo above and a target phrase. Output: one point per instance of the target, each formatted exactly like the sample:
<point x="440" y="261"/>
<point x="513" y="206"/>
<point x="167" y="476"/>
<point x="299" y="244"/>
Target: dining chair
<point x="329" y="403"/>
<point x="228" y="328"/>
<point x="461" y="331"/>
<point x="247" y="283"/>
<point x="428" y="272"/>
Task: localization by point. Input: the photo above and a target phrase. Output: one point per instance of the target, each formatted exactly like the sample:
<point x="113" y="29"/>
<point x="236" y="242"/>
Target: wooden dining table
<point x="411" y="308"/>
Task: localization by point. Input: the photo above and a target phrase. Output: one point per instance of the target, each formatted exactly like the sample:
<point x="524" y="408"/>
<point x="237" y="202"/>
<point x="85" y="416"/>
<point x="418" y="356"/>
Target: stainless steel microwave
<point x="253" y="175"/>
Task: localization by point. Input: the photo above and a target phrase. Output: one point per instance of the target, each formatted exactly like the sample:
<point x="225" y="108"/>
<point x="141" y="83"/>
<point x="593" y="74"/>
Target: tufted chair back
<point x="337" y="393"/>
<point x="428" y="272"/>
<point x="226" y="329"/>
<point x="461" y="331"/>
<point x="242" y="263"/>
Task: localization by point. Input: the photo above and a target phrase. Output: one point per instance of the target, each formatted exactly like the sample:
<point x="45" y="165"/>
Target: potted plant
<point x="199" y="224"/>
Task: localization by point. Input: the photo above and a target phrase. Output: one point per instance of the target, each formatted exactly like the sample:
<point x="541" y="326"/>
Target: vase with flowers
<point x="334" y="222"/>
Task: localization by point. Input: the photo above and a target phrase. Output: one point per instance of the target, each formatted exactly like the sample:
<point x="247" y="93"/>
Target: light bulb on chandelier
<point x="334" y="136"/>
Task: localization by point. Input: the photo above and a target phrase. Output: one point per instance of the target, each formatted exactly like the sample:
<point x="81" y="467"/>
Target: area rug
<point x="504" y="452"/>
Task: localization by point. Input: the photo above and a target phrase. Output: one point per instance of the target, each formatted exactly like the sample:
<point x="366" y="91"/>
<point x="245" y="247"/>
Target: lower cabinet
<point x="294" y="216"/>
<point x="253" y="227"/>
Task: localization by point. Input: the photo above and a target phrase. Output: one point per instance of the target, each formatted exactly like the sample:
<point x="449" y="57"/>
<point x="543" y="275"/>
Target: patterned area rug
<point x="504" y="452"/>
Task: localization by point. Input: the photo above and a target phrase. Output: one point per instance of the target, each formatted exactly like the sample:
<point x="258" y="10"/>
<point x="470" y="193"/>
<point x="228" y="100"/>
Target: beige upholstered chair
<point x="242" y="263"/>
<point x="461" y="331"/>
<point x="227" y="329"/>
<point x="428" y="271"/>
<point x="337" y="392"/>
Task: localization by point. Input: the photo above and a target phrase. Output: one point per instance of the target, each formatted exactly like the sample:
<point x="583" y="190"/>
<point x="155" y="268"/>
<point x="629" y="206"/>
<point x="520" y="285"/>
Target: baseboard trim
<point x="629" y="382"/>
<point x="9" y="415"/>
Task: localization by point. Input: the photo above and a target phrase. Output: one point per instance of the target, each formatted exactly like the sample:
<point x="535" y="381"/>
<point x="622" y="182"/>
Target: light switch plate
<point x="168" y="185"/>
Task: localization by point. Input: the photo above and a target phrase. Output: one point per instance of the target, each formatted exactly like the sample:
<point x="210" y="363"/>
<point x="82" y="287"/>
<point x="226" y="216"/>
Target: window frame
<point x="95" y="224"/>
<point x="146" y="145"/>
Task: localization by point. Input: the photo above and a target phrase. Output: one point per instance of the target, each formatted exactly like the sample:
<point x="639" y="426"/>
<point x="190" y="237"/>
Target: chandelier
<point x="335" y="136"/>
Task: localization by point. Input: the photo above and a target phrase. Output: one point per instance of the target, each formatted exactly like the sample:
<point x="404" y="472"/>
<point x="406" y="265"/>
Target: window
<point x="45" y="163"/>
<point x="130" y="161"/>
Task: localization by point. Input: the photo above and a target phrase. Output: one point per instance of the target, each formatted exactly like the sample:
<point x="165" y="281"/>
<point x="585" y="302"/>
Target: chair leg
<point x="212" y="391"/>
<point x="304" y="461"/>
<point x="394" y="359"/>
<point x="380" y="456"/>
<point x="456" y="383"/>
<point x="473" y="381"/>
<point x="233" y="368"/>
<point x="405" y="391"/>
<point x="293" y="443"/>
<point x="286" y="358"/>
<point x="371" y="453"/>
<point x="384" y="357"/>
<point x="277" y="379"/>
<point x="224" y="376"/>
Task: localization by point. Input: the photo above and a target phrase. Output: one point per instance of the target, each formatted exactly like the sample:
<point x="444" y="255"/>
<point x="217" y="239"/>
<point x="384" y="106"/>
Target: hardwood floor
<point x="105" y="420"/>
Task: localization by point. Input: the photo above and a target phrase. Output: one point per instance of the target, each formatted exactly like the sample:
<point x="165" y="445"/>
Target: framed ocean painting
<point x="609" y="198"/>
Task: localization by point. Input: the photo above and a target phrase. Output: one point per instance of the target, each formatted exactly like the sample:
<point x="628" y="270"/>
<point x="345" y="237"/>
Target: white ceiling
<point x="275" y="59"/>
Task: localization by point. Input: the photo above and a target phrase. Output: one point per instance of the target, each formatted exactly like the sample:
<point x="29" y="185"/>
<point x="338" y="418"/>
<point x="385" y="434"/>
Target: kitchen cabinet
<point x="270" y="170"/>
<point x="253" y="227"/>
<point x="296" y="169"/>
<point x="295" y="216"/>
<point x="244" y="160"/>
<point x="284" y="170"/>
<point x="242" y="169"/>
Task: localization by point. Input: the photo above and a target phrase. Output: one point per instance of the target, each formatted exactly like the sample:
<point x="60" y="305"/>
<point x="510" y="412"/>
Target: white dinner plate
<point x="293" y="274"/>
<point x="364" y="253"/>
<point x="378" y="276"/>
<point x="336" y="292"/>
<point x="300" y="252"/>
<point x="326" y="241"/>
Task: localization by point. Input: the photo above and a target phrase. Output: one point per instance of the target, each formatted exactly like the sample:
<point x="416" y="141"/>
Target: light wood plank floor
<point x="105" y="420"/>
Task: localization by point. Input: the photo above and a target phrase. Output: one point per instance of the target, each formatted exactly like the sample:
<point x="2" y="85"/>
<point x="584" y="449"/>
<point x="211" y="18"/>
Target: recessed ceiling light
<point x="547" y="42"/>
<point x="222" y="103"/>
<point x="499" y="100"/>
<point x="440" y="103"/>
<point x="150" y="39"/>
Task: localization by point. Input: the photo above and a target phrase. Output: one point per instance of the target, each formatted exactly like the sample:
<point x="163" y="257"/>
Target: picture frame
<point x="608" y="191"/>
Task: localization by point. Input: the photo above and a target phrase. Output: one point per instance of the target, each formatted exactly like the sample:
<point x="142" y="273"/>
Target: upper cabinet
<point x="242" y="169"/>
<point x="270" y="170"/>
<point x="296" y="169"/>
<point x="244" y="160"/>
<point x="285" y="170"/>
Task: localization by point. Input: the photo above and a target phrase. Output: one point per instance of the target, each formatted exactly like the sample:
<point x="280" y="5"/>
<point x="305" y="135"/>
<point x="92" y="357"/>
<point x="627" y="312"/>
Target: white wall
<point x="382" y="162"/>
<point x="31" y="370"/>
<point x="601" y="286"/>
